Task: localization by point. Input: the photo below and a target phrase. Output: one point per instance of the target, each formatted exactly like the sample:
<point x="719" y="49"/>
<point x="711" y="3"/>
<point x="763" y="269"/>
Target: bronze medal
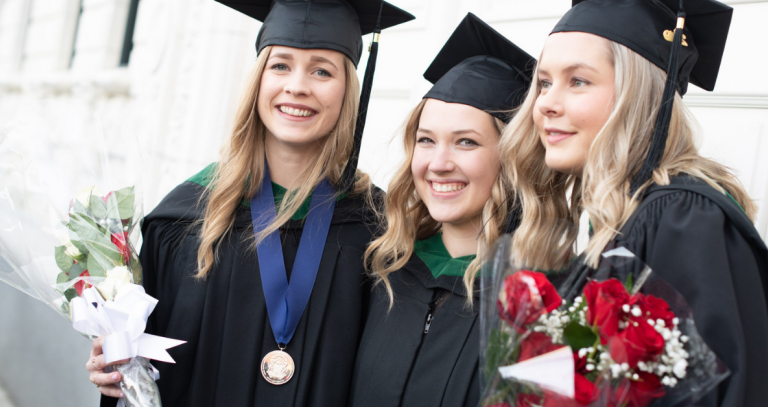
<point x="277" y="367"/>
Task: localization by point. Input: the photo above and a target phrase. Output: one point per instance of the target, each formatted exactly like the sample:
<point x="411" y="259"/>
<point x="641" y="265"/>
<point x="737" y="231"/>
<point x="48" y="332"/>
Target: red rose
<point x="121" y="241"/>
<point x="604" y="302"/>
<point x="638" y="342"/>
<point x="585" y="392"/>
<point x="653" y="308"/>
<point x="552" y="399"/>
<point x="524" y="400"/>
<point x="525" y="296"/>
<point x="639" y="393"/>
<point x="579" y="364"/>
<point x="106" y="198"/>
<point x="536" y="344"/>
<point x="83" y="283"/>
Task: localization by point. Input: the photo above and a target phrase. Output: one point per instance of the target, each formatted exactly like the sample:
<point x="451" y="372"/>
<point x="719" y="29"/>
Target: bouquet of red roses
<point x="618" y="336"/>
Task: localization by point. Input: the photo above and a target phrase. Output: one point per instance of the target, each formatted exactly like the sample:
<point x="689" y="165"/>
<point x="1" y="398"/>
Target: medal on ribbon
<point x="286" y="302"/>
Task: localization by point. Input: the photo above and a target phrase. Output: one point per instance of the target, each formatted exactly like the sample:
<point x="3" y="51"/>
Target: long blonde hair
<point x="616" y="152"/>
<point x="408" y="220"/>
<point x="241" y="164"/>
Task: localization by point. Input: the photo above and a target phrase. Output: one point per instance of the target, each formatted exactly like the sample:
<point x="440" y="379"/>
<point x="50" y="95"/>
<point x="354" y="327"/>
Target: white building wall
<point x="59" y="62"/>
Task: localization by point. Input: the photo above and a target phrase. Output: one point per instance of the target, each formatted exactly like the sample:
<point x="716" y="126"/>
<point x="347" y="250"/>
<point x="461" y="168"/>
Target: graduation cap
<point x="327" y="24"/>
<point x="686" y="42"/>
<point x="481" y="68"/>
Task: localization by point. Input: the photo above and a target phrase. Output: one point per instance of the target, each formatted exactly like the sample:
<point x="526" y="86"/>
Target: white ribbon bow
<point x="124" y="321"/>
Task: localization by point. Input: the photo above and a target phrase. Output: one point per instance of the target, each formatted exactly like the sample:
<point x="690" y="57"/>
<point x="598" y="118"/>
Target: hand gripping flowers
<point x="611" y="343"/>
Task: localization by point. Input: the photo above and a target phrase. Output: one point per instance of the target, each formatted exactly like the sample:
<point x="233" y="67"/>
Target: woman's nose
<point x="550" y="103"/>
<point x="297" y="85"/>
<point x="442" y="160"/>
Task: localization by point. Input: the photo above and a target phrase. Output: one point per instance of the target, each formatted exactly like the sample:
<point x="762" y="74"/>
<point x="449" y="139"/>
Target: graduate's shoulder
<point x="690" y="204"/>
<point x="364" y="208"/>
<point x="185" y="203"/>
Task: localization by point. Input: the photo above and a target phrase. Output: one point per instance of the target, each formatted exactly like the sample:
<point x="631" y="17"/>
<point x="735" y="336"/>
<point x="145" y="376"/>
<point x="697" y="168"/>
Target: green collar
<point x="205" y="178"/>
<point x="433" y="253"/>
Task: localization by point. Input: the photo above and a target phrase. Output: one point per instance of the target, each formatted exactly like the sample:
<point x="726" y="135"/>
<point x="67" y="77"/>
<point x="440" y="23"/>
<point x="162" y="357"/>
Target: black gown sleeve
<point x="688" y="241"/>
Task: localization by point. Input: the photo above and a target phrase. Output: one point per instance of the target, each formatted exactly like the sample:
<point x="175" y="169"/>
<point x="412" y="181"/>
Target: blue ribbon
<point x="286" y="302"/>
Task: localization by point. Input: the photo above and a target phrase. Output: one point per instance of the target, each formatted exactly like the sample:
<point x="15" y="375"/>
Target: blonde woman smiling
<point x="606" y="122"/>
<point x="268" y="286"/>
<point x="420" y="343"/>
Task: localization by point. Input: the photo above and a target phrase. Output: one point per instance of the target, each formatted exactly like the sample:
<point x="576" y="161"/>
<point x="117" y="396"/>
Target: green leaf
<point x="629" y="284"/>
<point x="126" y="200"/>
<point x="78" y="244"/>
<point x="95" y="268"/>
<point x="76" y="270"/>
<point x="495" y="353"/>
<point x="63" y="277"/>
<point x="70" y="294"/>
<point x="136" y="270"/>
<point x="578" y="336"/>
<point x="62" y="259"/>
<point x="96" y="239"/>
<point x="98" y="207"/>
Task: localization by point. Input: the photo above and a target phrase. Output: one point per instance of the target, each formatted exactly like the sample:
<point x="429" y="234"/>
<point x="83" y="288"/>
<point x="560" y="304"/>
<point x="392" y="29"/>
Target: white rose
<point x="71" y="250"/>
<point x="116" y="278"/>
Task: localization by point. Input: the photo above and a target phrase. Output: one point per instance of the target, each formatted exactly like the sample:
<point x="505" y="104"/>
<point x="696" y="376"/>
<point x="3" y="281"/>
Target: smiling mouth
<point x="447" y="187"/>
<point x="296" y="112"/>
<point x="559" y="133"/>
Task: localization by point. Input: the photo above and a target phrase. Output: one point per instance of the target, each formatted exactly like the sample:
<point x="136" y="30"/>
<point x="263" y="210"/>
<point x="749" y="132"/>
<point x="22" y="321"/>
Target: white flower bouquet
<point x="75" y="251"/>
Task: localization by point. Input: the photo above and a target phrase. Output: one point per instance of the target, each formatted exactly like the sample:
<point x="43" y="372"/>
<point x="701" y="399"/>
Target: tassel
<point x="514" y="219"/>
<point x="347" y="182"/>
<point x="661" y="128"/>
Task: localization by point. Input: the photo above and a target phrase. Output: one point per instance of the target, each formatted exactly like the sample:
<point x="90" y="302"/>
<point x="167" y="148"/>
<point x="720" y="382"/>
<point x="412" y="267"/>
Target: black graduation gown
<point x="224" y="318"/>
<point x="400" y="365"/>
<point x="702" y="243"/>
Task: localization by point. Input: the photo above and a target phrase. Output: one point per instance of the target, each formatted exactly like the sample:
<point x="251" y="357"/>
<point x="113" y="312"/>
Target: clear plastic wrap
<point x="66" y="227"/>
<point x="615" y="336"/>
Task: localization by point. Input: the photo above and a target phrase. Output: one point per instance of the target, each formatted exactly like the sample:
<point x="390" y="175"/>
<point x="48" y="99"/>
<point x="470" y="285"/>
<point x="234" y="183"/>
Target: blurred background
<point x="169" y="72"/>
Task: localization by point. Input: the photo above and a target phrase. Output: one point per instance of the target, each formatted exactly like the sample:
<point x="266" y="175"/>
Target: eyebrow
<point x="572" y="68"/>
<point x="456" y="132"/>
<point x="283" y="56"/>
<point x="316" y="58"/>
<point x="313" y="58"/>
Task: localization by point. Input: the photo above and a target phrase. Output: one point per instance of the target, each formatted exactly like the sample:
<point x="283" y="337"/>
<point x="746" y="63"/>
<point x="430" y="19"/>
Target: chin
<point x="560" y="165"/>
<point x="297" y="137"/>
<point x="447" y="217"/>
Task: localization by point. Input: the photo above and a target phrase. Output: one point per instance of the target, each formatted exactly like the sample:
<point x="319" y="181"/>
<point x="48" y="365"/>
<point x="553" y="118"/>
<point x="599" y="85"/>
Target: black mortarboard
<point x="647" y="26"/>
<point x="686" y="42"/>
<point x="325" y="24"/>
<point x="480" y="68"/>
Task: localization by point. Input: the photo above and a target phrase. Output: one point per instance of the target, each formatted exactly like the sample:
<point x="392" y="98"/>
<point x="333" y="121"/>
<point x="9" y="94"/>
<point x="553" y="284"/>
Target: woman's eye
<point x="422" y="140"/>
<point x="279" y="67"/>
<point x="324" y="73"/>
<point x="579" y="82"/>
<point x="544" y="84"/>
<point x="465" y="142"/>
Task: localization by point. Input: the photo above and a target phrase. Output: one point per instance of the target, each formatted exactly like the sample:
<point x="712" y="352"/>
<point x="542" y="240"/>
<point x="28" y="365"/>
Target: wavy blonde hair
<point x="241" y="164"/>
<point x="616" y="153"/>
<point x="407" y="217"/>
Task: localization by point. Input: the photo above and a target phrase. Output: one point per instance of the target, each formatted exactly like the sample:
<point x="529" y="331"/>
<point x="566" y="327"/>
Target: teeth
<point x="447" y="187"/>
<point x="296" y="112"/>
